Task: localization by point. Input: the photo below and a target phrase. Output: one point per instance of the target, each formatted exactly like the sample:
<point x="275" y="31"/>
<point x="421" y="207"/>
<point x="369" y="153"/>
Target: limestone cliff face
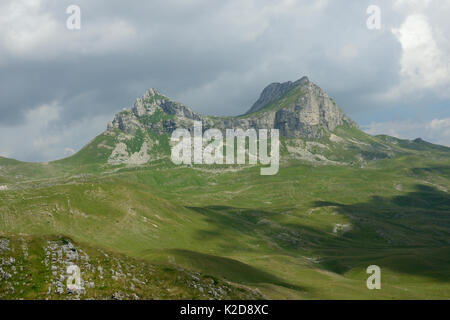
<point x="310" y="112"/>
<point x="298" y="109"/>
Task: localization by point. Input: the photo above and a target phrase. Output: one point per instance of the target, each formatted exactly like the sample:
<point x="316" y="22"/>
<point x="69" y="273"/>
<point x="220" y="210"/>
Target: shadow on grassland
<point x="408" y="233"/>
<point x="229" y="269"/>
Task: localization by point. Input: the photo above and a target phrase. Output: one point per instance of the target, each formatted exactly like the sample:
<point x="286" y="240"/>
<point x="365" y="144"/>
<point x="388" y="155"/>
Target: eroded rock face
<point x="312" y="111"/>
<point x="120" y="155"/>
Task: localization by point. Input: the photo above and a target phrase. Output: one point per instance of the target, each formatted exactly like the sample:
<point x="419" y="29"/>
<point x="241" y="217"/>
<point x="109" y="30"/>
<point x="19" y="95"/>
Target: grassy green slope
<point x="308" y="232"/>
<point x="283" y="101"/>
<point x="95" y="152"/>
<point x="274" y="233"/>
<point x="92" y="160"/>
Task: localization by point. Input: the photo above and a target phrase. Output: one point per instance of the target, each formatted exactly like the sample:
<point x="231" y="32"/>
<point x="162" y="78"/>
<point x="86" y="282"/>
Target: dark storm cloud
<point x="214" y="56"/>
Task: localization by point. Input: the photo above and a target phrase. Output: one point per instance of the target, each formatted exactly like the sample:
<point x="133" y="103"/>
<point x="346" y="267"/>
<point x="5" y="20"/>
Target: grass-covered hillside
<point x="308" y="232"/>
<point x="342" y="200"/>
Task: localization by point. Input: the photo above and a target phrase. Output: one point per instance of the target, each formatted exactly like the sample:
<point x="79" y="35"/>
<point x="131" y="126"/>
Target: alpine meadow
<point x="139" y="226"/>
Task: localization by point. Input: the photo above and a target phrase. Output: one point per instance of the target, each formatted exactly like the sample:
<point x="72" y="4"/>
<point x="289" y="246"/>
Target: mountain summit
<point x="274" y="91"/>
<point x="299" y="109"/>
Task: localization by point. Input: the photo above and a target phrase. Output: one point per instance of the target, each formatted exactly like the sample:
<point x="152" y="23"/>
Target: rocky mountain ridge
<point x="311" y="125"/>
<point x="299" y="109"/>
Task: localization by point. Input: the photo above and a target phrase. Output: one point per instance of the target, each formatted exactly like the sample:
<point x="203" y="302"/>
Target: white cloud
<point x="425" y="63"/>
<point x="68" y="151"/>
<point x="24" y="26"/>
<point x="435" y="131"/>
<point x="30" y="32"/>
<point x="440" y="123"/>
<point x="29" y="29"/>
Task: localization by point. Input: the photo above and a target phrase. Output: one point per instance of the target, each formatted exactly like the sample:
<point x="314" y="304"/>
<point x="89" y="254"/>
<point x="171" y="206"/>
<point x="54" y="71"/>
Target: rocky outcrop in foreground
<point x="36" y="268"/>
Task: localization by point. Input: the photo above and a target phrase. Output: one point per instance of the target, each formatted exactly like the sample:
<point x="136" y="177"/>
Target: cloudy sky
<point x="60" y="87"/>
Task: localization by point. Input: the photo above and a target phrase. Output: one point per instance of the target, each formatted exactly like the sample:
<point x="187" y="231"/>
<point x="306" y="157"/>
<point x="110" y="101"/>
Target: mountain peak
<point x="151" y="98"/>
<point x="274" y="91"/>
<point x="152" y="92"/>
<point x="299" y="108"/>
